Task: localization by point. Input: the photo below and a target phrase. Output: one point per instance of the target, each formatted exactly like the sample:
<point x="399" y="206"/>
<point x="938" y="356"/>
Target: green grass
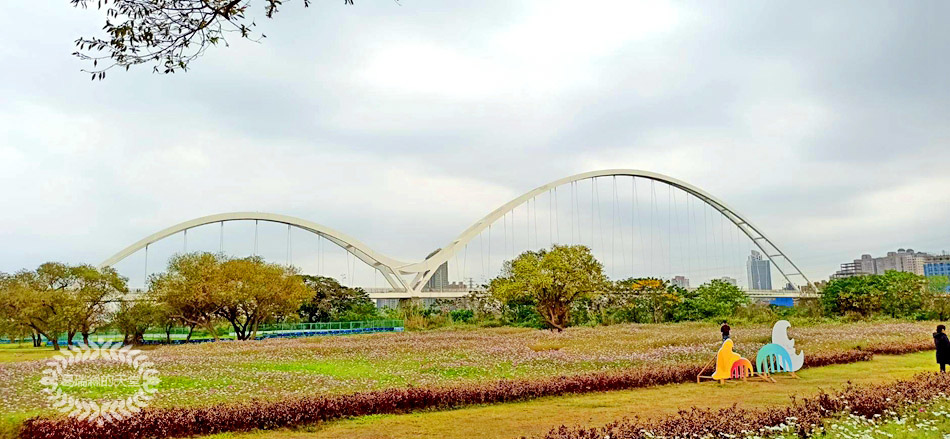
<point x="13" y="352"/>
<point x="506" y="421"/>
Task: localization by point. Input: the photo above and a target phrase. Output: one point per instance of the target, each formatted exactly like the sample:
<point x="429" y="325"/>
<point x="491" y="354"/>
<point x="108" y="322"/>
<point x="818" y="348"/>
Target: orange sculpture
<point x="729" y="365"/>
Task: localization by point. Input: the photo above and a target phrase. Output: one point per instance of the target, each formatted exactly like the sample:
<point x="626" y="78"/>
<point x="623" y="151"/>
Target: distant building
<point x="729" y="280"/>
<point x="850" y="269"/>
<point x="760" y="272"/>
<point x="439" y="280"/>
<point x="937" y="266"/>
<point x="680" y="281"/>
<point x="906" y="260"/>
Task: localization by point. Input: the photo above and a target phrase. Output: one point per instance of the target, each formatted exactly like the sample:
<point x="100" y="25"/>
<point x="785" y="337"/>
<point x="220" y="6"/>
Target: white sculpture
<point x="780" y="337"/>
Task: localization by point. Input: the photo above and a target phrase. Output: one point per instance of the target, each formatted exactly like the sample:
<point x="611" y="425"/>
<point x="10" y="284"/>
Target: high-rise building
<point x="729" y="280"/>
<point x="902" y="260"/>
<point x="680" y="281"/>
<point x="439" y="280"/>
<point x="760" y="272"/>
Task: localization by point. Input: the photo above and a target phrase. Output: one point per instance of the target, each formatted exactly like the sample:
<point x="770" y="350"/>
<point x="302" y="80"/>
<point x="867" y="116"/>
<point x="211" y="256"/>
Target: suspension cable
<point x="572" y="214"/>
<point x="504" y="229"/>
<point x="600" y="220"/>
<point x="489" y="247"/>
<point x="145" y="282"/>
<point x="592" y="181"/>
<point x="669" y="227"/>
<point x="613" y="208"/>
<point x="623" y="245"/>
<point x="537" y="243"/>
<point x="653" y="211"/>
<point x="557" y="217"/>
<point x="290" y="260"/>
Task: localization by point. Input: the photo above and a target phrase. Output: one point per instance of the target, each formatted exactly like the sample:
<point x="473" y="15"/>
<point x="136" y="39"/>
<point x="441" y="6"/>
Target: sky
<point x="401" y="124"/>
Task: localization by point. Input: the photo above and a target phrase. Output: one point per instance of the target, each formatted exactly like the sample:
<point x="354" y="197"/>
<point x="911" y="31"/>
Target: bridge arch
<point x="381" y="262"/>
<point x="768" y="247"/>
<point x="393" y="269"/>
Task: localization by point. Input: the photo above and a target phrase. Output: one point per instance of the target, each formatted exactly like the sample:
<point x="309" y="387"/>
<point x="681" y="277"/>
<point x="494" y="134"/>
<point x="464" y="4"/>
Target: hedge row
<point x="804" y="415"/>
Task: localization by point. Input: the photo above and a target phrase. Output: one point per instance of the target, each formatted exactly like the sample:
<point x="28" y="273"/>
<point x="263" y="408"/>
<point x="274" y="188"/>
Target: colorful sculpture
<point x="724" y="361"/>
<point x="741" y="369"/>
<point x="776" y="357"/>
<point x="729" y="365"/>
<point x="780" y="337"/>
<point x="773" y="358"/>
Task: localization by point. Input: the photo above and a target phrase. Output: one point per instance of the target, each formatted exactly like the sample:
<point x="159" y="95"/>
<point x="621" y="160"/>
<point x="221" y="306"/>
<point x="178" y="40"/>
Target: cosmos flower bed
<point x="162" y="423"/>
<point x="803" y="417"/>
<point x="308" y="380"/>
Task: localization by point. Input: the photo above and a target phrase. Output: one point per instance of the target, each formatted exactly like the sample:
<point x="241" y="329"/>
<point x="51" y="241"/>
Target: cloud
<point x="403" y="124"/>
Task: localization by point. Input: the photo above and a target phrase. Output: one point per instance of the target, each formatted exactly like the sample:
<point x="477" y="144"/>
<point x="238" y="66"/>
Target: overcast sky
<point x="403" y="123"/>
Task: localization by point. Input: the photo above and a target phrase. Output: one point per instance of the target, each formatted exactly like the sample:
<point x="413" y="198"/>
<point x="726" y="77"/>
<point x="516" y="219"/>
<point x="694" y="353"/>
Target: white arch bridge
<point x="408" y="278"/>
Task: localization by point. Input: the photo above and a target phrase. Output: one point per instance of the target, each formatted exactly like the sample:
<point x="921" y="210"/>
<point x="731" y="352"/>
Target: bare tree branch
<point x="167" y="33"/>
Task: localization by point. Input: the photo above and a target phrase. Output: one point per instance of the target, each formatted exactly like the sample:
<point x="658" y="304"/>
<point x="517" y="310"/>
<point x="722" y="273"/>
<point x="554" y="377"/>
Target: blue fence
<point x="284" y="330"/>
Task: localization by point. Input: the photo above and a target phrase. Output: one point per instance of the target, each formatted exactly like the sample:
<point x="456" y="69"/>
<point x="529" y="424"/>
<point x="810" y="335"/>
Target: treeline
<point x="893" y="294"/>
<point x="549" y="288"/>
<point x="198" y="291"/>
<point x="565" y="285"/>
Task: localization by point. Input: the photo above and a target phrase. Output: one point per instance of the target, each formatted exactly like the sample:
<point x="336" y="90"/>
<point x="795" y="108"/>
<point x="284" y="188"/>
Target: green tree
<point x="193" y="289"/>
<point x="329" y="301"/>
<point x="167" y="33"/>
<point x="90" y="290"/>
<point x="939" y="291"/>
<point x="552" y="279"/>
<point x="38" y="300"/>
<point x="134" y="318"/>
<point x="852" y="295"/>
<point x="903" y="294"/>
<point x="713" y="299"/>
<point x="654" y="298"/>
<point x="256" y="291"/>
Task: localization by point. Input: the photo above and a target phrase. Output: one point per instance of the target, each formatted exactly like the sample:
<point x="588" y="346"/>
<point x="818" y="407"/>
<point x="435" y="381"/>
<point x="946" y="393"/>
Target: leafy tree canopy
<point x="329" y="301"/>
<point x="552" y="279"/>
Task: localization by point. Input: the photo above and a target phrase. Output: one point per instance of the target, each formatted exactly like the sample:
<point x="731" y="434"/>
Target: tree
<point x="553" y="279"/>
<point x="192" y="288"/>
<point x="938" y="289"/>
<point x="38" y="300"/>
<point x="133" y="318"/>
<point x="255" y="291"/>
<point x="90" y="290"/>
<point x="714" y="299"/>
<point x="167" y="33"/>
<point x="655" y="296"/>
<point x="903" y="294"/>
<point x="329" y="301"/>
<point x="857" y="295"/>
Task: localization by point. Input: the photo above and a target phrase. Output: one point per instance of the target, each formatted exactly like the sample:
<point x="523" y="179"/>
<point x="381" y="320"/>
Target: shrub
<point x="804" y="414"/>
<point x="462" y="315"/>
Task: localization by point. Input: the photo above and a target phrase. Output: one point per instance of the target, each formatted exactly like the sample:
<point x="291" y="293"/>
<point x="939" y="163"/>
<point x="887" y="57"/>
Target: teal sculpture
<point x="773" y="358"/>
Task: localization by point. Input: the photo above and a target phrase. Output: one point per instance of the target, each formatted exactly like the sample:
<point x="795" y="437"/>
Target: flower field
<point x="307" y="380"/>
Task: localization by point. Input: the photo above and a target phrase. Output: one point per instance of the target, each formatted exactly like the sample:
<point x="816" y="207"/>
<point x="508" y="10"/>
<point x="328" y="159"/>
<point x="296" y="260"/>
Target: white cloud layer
<point x="401" y="124"/>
